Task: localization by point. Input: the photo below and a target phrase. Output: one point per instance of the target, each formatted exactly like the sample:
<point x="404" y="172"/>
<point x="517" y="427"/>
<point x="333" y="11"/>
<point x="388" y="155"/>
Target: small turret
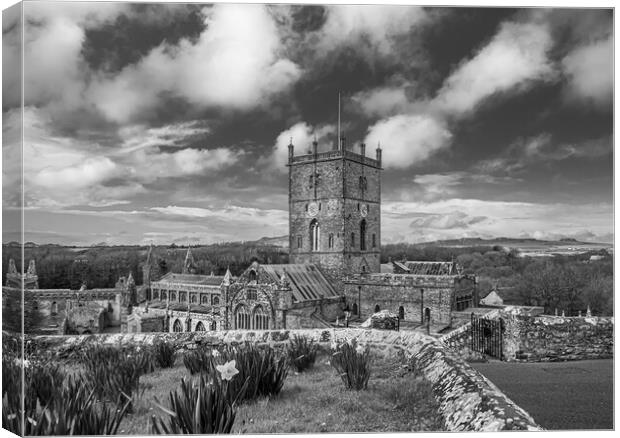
<point x="32" y="269"/>
<point x="227" y="278"/>
<point x="12" y="268"/>
<point x="189" y="267"/>
<point x="315" y="147"/>
<point x="379" y="153"/>
<point x="363" y="149"/>
<point x="291" y="150"/>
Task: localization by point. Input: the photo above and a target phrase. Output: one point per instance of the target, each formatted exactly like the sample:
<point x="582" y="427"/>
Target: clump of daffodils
<point x="352" y="362"/>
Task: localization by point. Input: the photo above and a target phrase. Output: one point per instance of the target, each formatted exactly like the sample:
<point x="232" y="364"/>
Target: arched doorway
<point x="261" y="319"/>
<point x="355" y="308"/>
<point x="177" y="327"/>
<point x="377" y="308"/>
<point x="200" y="327"/>
<point x="401" y="312"/>
<point x="427" y="315"/>
<point x="242" y="318"/>
<point x="214" y="326"/>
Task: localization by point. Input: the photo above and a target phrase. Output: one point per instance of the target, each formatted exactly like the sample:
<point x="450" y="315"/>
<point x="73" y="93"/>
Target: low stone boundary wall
<point x="557" y="338"/>
<point x="468" y="401"/>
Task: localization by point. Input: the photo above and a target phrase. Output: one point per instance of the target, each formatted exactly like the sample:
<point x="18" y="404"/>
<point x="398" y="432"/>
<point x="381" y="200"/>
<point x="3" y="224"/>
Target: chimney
<point x="379" y="153"/>
<point x="363" y="149"/>
<point x="315" y="147"/>
<point x="342" y="143"/>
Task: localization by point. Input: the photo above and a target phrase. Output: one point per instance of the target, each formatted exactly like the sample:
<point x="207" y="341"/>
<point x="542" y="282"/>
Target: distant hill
<point x="508" y="241"/>
<point x="281" y="241"/>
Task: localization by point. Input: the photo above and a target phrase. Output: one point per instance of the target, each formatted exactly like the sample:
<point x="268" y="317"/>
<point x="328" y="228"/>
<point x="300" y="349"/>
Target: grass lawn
<point x="559" y="395"/>
<point x="313" y="401"/>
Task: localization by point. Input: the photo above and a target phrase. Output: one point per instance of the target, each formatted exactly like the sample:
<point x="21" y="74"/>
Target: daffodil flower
<point x="359" y="350"/>
<point x="215" y="353"/>
<point x="228" y="370"/>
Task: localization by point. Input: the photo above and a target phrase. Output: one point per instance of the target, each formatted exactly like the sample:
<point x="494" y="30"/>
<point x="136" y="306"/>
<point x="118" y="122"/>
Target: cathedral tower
<point x="334" y="210"/>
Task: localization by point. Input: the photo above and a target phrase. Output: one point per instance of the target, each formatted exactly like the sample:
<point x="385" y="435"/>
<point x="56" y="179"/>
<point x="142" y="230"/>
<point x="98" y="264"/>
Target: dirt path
<point x="559" y="395"/>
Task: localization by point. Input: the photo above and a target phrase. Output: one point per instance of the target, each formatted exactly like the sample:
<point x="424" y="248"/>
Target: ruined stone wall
<point x="390" y="292"/>
<point x="556" y="338"/>
<point x="467" y="400"/>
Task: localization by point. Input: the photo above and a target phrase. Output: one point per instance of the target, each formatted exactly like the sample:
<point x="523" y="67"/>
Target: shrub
<point x="202" y="407"/>
<point x="301" y="353"/>
<point x="352" y="361"/>
<point x="165" y="354"/>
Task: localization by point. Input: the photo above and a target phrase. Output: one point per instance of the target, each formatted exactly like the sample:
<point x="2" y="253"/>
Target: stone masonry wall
<point x="554" y="338"/>
<point x="467" y="400"/>
<point x="390" y="292"/>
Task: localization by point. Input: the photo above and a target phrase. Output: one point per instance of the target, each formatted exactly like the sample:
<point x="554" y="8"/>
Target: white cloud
<point x="302" y="135"/>
<point x="383" y="101"/>
<point x="408" y="139"/>
<point x="237" y="62"/>
<point x="456" y="219"/>
<point x="589" y="71"/>
<point x="84" y="172"/>
<point x="177" y="135"/>
<point x="148" y="165"/>
<point x="92" y="170"/>
<point x="515" y="57"/>
<point x="372" y="26"/>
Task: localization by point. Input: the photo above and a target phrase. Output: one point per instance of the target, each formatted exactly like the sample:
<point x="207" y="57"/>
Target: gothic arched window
<point x="363" y="235"/>
<point x="173" y="296"/>
<point x="242" y="318"/>
<point x="352" y="239"/>
<point x="374" y="240"/>
<point x="204" y="299"/>
<point x="214" y="325"/>
<point x="177" y="326"/>
<point x="215" y="300"/>
<point x="330" y="241"/>
<point x="193" y="299"/>
<point x="261" y="319"/>
<point x="200" y="327"/>
<point x="315" y="235"/>
<point x="299" y="242"/>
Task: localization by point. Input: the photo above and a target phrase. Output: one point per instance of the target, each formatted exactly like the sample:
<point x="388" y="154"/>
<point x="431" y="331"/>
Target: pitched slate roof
<point x="428" y="268"/>
<point x="210" y="280"/>
<point x="306" y="281"/>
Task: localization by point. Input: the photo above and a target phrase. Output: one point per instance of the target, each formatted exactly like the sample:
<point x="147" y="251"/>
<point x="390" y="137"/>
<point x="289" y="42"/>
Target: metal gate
<point x="487" y="336"/>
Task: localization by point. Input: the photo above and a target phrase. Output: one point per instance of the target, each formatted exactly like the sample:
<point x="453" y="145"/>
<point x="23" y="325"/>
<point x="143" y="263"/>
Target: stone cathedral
<point x="334" y="263"/>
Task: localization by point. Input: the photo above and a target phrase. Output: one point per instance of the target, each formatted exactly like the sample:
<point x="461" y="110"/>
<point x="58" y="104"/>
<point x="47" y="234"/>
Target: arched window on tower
<point x="363" y="235"/>
<point x="374" y="240"/>
<point x="330" y="241"/>
<point x="352" y="240"/>
<point x="315" y="235"/>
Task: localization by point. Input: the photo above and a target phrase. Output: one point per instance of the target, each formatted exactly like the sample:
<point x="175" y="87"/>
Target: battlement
<point x="334" y="155"/>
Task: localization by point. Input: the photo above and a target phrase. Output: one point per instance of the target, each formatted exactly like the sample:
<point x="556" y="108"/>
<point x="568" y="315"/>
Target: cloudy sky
<point x="169" y="123"/>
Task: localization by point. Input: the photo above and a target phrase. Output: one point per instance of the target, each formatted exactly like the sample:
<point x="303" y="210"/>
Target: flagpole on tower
<point x="338" y="140"/>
